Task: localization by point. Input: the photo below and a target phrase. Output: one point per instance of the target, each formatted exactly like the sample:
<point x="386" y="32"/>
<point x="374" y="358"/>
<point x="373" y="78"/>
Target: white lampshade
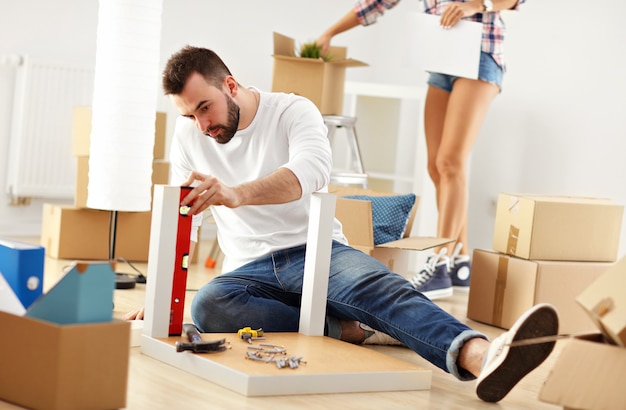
<point x="124" y="105"/>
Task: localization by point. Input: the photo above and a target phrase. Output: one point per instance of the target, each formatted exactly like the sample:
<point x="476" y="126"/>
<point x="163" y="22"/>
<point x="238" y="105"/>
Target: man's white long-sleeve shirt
<point x="287" y="131"/>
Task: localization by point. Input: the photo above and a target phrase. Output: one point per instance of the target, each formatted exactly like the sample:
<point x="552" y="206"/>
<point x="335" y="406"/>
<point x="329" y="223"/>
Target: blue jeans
<point x="266" y="294"/>
<point x="488" y="71"/>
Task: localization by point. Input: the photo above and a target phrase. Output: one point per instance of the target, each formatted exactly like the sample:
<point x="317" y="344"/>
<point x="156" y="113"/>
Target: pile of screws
<point x="270" y="353"/>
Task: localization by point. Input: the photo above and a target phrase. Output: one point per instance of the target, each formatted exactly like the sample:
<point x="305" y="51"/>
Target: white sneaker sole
<point x="438" y="293"/>
<point x="513" y="363"/>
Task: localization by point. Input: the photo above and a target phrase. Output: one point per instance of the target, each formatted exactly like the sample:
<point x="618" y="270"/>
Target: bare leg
<point x="453" y="121"/>
<point x="351" y="332"/>
<point x="472" y="354"/>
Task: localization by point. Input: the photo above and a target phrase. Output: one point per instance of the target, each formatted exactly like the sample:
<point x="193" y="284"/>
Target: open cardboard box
<point x="66" y="351"/>
<point x="589" y="372"/>
<point x="357" y="222"/>
<point x="50" y="366"/>
<point x="320" y="81"/>
<point x="605" y="302"/>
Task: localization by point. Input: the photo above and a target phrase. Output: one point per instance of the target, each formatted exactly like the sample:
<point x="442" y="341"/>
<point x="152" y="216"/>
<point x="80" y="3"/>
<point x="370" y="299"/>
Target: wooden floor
<point x="155" y="385"/>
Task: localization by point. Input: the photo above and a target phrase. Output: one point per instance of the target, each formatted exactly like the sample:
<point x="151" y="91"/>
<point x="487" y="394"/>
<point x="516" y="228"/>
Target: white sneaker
<point x="378" y="338"/>
<point x="505" y="364"/>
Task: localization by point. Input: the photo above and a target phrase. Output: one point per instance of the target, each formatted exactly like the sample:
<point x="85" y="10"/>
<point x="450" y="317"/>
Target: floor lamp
<point x="122" y="280"/>
<point x="124" y="111"/>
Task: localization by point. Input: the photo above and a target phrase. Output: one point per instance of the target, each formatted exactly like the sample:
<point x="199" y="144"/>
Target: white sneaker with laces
<point x="507" y="361"/>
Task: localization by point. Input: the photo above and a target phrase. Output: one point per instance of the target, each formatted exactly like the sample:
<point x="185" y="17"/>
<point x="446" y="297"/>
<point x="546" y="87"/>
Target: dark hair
<point x="189" y="60"/>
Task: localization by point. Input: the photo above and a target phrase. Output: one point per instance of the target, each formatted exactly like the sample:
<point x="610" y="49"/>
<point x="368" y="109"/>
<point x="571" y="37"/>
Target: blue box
<point x="22" y="266"/>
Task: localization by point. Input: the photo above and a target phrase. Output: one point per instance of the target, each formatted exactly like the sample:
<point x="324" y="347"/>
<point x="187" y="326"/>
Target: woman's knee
<point x="449" y="166"/>
<point x="433" y="172"/>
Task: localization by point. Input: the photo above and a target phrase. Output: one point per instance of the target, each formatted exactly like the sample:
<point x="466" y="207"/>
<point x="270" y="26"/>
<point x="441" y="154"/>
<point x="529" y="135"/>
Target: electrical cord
<point x="139" y="276"/>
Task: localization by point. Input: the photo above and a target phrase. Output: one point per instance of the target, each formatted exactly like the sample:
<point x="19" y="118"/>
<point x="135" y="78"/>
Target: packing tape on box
<point x="498" y="297"/>
<point x="603" y="307"/>
<point x="511" y="244"/>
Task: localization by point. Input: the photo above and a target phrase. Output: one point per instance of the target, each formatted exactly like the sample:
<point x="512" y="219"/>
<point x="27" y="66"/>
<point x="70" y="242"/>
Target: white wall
<point x="558" y="127"/>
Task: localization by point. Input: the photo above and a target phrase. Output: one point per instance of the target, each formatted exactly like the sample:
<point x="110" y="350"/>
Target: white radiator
<point x="40" y="161"/>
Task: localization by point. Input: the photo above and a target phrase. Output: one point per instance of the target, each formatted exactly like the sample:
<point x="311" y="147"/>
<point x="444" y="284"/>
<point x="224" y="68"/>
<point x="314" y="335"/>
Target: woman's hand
<point x="455" y="11"/>
<point x="324" y="42"/>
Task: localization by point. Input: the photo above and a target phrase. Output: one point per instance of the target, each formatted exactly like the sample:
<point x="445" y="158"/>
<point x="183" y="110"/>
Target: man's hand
<point x="210" y="191"/>
<point x="136" y="314"/>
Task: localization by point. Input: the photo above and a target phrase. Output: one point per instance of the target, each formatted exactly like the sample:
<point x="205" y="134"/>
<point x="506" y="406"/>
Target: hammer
<point x="196" y="344"/>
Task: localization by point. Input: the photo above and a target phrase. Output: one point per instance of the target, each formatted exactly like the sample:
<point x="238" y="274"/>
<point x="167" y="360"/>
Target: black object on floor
<point x="124" y="281"/>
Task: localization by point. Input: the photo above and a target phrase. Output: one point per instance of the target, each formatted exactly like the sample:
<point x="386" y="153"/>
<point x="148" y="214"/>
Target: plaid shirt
<point x="368" y="11"/>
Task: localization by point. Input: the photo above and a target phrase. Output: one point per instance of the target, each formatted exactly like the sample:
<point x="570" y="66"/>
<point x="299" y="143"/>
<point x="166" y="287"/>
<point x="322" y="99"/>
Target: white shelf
<point x="385" y="90"/>
<point x="390" y="177"/>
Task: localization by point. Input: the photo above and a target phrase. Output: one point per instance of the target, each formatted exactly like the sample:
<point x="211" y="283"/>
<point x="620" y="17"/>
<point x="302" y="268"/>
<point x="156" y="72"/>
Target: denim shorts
<point x="488" y="71"/>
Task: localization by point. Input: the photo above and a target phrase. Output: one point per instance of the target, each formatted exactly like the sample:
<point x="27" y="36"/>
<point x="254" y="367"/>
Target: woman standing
<point x="454" y="111"/>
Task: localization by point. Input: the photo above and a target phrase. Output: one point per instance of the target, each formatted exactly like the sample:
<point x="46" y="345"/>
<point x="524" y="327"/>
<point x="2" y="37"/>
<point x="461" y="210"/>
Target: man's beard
<point x="227" y="131"/>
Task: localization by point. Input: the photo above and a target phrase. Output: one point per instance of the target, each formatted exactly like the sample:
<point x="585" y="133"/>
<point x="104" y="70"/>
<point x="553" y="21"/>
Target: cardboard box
<point x="604" y="300"/>
<point x="588" y="374"/>
<point x="558" y="228"/>
<point x="357" y="223"/>
<point x="503" y="287"/>
<point x="22" y="265"/>
<point x="48" y="366"/>
<point x="319" y="81"/>
<point x="160" y="175"/>
<point x="589" y="371"/>
<point x="81" y="132"/>
<point x="73" y="233"/>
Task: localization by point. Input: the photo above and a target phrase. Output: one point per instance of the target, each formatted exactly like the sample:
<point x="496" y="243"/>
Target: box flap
<point x="563" y="199"/>
<point x="605" y="303"/>
<point x="342" y="191"/>
<point x="587" y="375"/>
<point x="82" y="295"/>
<point x="356" y="219"/>
<point x="283" y="45"/>
<point x="415" y="243"/>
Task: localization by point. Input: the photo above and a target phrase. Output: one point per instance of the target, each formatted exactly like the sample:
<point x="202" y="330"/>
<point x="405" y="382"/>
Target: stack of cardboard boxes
<point x="76" y="232"/>
<point x="546" y="249"/>
<point x="561" y="250"/>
